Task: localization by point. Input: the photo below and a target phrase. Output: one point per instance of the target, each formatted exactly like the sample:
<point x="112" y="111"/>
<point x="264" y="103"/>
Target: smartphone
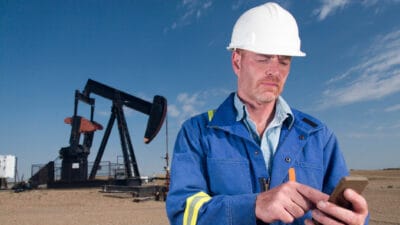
<point x="357" y="183"/>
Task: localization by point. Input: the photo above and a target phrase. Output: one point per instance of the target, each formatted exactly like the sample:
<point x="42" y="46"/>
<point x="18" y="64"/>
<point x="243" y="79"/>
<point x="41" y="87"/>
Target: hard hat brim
<point x="271" y="52"/>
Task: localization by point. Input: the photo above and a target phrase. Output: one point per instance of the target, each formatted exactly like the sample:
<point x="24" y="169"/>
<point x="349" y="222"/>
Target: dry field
<point x="89" y="206"/>
<point x="383" y="196"/>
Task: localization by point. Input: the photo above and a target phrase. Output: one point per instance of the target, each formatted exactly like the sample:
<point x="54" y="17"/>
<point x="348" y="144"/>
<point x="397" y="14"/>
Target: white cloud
<point x="368" y="3"/>
<point x="329" y="7"/>
<point x="393" y="108"/>
<point x="191" y="10"/>
<point x="236" y="5"/>
<point x="374" y="131"/>
<point x="186" y="105"/>
<point x="372" y="135"/>
<point x="190" y="104"/>
<point x="377" y="76"/>
<point x="173" y="110"/>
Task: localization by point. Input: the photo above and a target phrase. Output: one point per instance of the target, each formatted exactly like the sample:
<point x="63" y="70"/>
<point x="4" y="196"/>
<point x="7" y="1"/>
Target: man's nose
<point x="273" y="67"/>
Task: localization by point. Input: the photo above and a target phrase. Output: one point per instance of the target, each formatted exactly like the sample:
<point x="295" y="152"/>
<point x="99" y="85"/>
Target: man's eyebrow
<point x="285" y="57"/>
<point x="280" y="57"/>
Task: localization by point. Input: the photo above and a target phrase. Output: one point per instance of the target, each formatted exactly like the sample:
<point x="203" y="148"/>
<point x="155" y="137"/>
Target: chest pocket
<point x="229" y="176"/>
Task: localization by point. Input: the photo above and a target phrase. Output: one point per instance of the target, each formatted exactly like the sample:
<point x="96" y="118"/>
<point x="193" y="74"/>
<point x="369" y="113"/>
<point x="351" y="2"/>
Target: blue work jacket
<point x="217" y="166"/>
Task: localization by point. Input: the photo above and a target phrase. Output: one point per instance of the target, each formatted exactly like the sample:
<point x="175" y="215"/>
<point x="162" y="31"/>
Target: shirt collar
<point x="282" y="111"/>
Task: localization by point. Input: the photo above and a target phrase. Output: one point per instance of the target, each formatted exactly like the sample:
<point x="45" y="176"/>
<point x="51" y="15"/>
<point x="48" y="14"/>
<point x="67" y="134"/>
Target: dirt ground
<point x="90" y="206"/>
<point x="383" y="196"/>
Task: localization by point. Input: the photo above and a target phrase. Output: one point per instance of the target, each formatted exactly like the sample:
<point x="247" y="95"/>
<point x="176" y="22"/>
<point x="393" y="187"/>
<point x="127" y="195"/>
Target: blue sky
<point x="350" y="78"/>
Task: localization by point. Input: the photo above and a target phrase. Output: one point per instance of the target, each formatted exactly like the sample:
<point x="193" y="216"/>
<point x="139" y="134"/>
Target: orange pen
<point x="292" y="174"/>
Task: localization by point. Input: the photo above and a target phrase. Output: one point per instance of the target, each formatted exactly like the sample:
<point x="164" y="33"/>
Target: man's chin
<point x="267" y="99"/>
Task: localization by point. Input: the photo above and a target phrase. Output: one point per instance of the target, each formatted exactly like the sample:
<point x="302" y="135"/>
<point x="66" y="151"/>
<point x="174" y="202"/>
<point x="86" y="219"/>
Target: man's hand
<point x="329" y="213"/>
<point x="287" y="202"/>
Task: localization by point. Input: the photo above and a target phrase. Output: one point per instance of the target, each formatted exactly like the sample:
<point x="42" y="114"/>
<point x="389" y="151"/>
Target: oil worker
<point x="235" y="165"/>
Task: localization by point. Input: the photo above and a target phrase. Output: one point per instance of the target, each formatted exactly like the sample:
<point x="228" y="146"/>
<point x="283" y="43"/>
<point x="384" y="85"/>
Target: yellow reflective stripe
<point x="210" y="114"/>
<point x="193" y="205"/>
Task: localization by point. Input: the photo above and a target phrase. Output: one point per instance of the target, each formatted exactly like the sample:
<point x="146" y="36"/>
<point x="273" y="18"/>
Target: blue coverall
<point x="217" y="166"/>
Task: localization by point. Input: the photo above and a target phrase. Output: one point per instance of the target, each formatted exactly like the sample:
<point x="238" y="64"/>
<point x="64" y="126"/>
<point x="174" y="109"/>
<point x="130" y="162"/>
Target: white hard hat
<point x="267" y="29"/>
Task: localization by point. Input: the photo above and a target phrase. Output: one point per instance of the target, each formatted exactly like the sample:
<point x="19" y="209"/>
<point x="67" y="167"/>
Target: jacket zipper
<point x="264" y="183"/>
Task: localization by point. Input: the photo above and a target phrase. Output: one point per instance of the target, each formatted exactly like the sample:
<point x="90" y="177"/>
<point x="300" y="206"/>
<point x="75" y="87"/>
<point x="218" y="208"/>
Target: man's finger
<point x="322" y="218"/>
<point x="358" y="202"/>
<point x="312" y="194"/>
<point x="344" y="215"/>
<point x="308" y="222"/>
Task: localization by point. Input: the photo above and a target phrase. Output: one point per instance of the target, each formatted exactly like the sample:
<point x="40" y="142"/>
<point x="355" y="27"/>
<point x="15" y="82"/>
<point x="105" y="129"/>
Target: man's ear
<point x="236" y="57"/>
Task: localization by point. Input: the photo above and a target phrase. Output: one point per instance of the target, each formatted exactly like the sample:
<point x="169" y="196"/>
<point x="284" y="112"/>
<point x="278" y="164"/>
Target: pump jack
<point x="74" y="168"/>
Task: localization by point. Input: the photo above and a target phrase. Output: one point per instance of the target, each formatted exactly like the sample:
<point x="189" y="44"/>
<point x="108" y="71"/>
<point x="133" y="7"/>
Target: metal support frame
<point x="78" y="153"/>
<point x="126" y="143"/>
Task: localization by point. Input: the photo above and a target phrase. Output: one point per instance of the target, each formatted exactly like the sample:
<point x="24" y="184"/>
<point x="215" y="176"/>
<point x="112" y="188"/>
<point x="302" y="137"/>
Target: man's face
<point x="261" y="78"/>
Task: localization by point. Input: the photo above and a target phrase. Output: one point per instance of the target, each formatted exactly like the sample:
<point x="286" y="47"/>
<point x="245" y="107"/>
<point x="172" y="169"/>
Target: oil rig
<point x="74" y="158"/>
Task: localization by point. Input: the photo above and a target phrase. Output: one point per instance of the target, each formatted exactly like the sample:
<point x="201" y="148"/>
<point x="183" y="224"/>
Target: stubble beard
<point x="265" y="98"/>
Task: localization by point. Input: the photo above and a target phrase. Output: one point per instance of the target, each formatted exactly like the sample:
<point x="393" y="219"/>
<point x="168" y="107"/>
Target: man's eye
<point x="263" y="59"/>
<point x="284" y="62"/>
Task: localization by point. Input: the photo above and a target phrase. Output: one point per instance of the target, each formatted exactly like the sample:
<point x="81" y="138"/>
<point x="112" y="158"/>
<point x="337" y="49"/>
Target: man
<point x="231" y="165"/>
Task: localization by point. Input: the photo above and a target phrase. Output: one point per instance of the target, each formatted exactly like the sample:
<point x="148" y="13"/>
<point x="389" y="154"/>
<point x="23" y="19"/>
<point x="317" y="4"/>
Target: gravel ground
<point x="90" y="206"/>
<point x="78" y="206"/>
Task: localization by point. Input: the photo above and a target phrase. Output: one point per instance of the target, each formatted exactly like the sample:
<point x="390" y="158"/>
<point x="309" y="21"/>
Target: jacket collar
<point x="225" y="118"/>
<point x="226" y="114"/>
<point x="283" y="113"/>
